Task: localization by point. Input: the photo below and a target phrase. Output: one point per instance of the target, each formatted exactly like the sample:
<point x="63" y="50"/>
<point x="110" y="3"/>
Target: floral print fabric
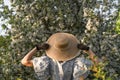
<point x="73" y="69"/>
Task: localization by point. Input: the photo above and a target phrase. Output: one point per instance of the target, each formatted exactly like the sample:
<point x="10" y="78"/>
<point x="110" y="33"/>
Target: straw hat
<point x="63" y="46"/>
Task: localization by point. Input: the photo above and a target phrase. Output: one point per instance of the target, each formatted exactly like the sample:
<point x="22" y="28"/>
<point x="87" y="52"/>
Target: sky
<point x="2" y="32"/>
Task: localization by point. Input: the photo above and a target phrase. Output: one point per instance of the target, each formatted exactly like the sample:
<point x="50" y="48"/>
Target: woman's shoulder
<point x="42" y="58"/>
<point x="83" y="60"/>
<point x="81" y="67"/>
<point x="41" y="67"/>
<point x="40" y="62"/>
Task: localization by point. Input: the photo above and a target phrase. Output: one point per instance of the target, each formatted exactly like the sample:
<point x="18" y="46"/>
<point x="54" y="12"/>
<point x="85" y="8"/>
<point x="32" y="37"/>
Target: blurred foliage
<point x="33" y="21"/>
<point x="118" y="24"/>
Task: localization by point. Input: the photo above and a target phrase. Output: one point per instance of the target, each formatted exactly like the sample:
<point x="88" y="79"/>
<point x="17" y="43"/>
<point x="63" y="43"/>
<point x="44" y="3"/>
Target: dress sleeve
<point x="41" y="67"/>
<point x="81" y="68"/>
<point x="87" y="62"/>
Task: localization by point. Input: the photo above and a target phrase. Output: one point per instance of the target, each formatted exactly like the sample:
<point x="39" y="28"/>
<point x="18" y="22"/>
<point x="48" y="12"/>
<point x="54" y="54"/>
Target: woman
<point x="62" y="60"/>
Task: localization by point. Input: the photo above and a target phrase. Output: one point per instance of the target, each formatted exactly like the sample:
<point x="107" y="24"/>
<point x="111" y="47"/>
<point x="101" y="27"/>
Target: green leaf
<point x="4" y="26"/>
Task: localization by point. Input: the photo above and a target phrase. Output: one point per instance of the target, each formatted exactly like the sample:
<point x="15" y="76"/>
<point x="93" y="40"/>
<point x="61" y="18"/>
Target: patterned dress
<point x="47" y="68"/>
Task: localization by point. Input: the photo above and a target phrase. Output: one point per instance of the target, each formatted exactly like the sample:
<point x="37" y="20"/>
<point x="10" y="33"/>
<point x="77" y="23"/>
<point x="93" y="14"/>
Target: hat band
<point x="65" y="47"/>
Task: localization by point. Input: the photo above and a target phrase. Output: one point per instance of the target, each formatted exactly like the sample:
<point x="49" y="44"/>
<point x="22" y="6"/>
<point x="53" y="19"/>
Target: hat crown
<point x="61" y="42"/>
